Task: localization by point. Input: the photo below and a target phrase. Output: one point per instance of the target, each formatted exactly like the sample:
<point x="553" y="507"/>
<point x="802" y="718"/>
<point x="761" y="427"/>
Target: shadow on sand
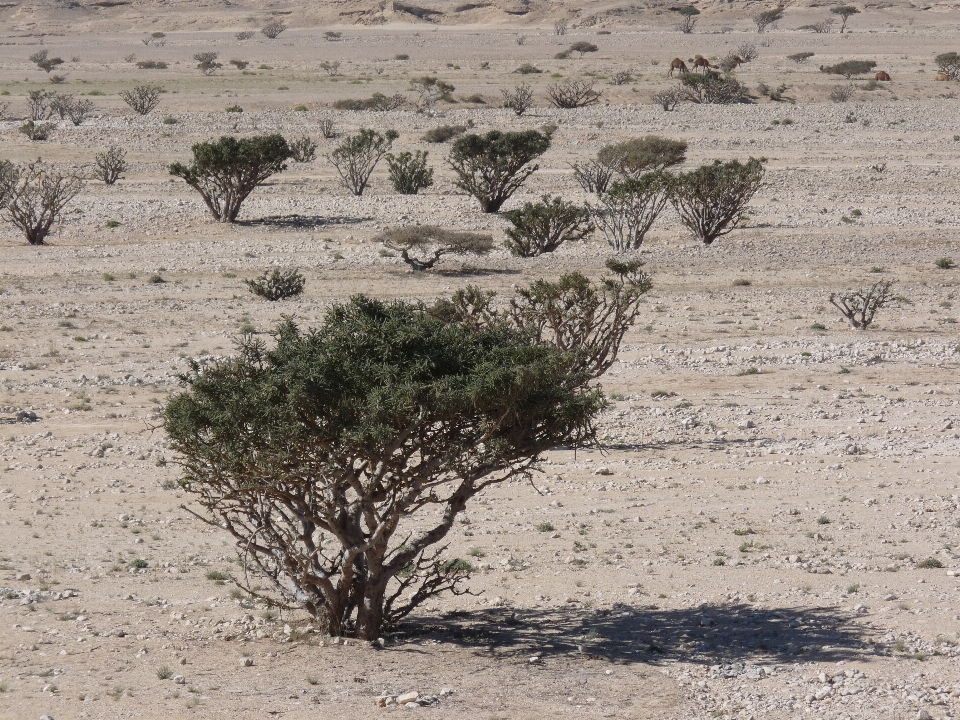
<point x="302" y="222"/>
<point x="709" y="634"/>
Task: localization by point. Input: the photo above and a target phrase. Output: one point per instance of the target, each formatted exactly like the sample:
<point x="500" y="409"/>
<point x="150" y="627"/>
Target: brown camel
<point x="678" y="64"/>
<point x="701" y="63"/>
<point x="883" y="76"/>
<point x="942" y="77"/>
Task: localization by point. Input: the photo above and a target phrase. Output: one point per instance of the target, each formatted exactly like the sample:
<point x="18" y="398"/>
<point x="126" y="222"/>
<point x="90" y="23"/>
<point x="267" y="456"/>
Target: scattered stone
<point x="924" y="715"/>
<point x="179" y="680"/>
<point x="408" y="697"/>
<point x="246" y="662"/>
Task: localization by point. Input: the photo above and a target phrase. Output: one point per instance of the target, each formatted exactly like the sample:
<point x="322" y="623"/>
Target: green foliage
<point x="544" y="226"/>
<point x="378" y="102"/>
<point x="36" y="131"/>
<point x="583" y="47"/>
<point x="930" y="564"/>
<point x="949" y="63"/>
<point x="849" y="68"/>
<point x="225" y="172"/>
<point x="142" y="99"/>
<point x="409" y="173"/>
<point x="845" y="12"/>
<point x="492" y="167"/>
<point x="207" y="62"/>
<point x="944" y="263"/>
<point x="689" y="11"/>
<point x="277" y="284"/>
<point x="644" y="154"/>
<point x="712" y="200"/>
<point x="349" y="430"/>
<point x="435" y="242"/>
<point x="765" y="18"/>
<point x="303" y="149"/>
<point x="711" y="88"/>
<point x="357" y="155"/>
<point x="627" y="211"/>
<point x="443" y="133"/>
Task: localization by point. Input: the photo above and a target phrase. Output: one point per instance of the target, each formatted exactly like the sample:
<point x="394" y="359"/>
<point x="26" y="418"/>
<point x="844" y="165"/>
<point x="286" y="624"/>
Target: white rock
<point x="408" y="697"/>
<point x="762" y="481"/>
<point x="924" y="715"/>
<point x="179" y="679"/>
<point x="246" y="662"/>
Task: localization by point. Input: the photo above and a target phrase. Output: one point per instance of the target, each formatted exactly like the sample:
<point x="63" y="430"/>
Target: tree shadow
<point x="302" y="222"/>
<point x="710" y="634"/>
<point x="467" y="271"/>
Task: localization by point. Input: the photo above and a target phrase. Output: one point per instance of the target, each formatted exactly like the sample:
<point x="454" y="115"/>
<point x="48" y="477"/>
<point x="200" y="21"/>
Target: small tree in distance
<point x="570" y="94"/>
<point x="357" y="156"/>
<point x="849" y="68"/>
<point x="859" y="306"/>
<point x="627" y="211"/>
<point x="207" y="62"/>
<point x="432" y="243"/>
<point x="520" y="99"/>
<point x="110" y="165"/>
<point x="492" y="167"/>
<point x="949" y="63"/>
<point x="765" y="18"/>
<point x="845" y="12"/>
<point x="142" y="99"/>
<point x="712" y="200"/>
<point x="688" y="19"/>
<point x="225" y="172"/>
<point x="544" y="226"/>
<point x="34" y="196"/>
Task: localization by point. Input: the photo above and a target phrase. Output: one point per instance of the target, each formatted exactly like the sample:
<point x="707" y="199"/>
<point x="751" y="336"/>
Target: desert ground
<point x="770" y="528"/>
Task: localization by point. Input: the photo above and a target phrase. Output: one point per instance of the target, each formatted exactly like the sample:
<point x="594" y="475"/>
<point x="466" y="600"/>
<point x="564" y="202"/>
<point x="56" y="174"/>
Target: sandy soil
<point x="748" y="541"/>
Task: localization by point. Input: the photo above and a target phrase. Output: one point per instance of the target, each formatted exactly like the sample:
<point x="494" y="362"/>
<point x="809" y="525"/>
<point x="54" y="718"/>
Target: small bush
<point x="712" y="200"/>
<point x="712" y="88"/>
<point x="357" y="156"/>
<point x="583" y="47"/>
<point x="544" y="226"/>
<point x="277" y="284"/>
<point x="432" y="243"/>
<point x="860" y="306"/>
<point x="930" y="564"/>
<point x="142" y="99"/>
<point x="233" y="109"/>
<point x="36" y="131"/>
<point x="327" y="128"/>
<point x="164" y="673"/>
<point x="378" y="102"/>
<point x="239" y="64"/>
<point x="272" y="30"/>
<point x="545" y="527"/>
<point x="207" y="62"/>
<point x="627" y="211"/>
<point x="593" y="176"/>
<point x="34" y="196"/>
<point x="849" y="68"/>
<point x="645" y="154"/>
<point x="528" y="69"/>
<point x="110" y="165"/>
<point x="741" y="282"/>
<point x="152" y="65"/>
<point x="944" y="263"/>
<point x="621" y="77"/>
<point x="409" y="173"/>
<point x="841" y="93"/>
<point x="443" y="133"/>
<point x="303" y="149"/>
<point x="569" y="94"/>
<point x="244" y="35"/>
<point x="520" y="99"/>
<point x="668" y="99"/>
<point x="800" y="57"/>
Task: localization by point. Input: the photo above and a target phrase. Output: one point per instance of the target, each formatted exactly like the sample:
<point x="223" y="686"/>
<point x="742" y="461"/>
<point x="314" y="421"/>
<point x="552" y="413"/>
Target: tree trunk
<point x="370" y="612"/>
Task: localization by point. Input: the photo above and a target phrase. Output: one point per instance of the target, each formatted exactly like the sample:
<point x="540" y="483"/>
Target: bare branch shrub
<point x="357" y="156"/>
<point x="841" y="93"/>
<point x="431" y="243"/>
<point x="627" y="211"/>
<point x="244" y="35"/>
<point x="668" y="99"/>
<point x="38" y="101"/>
<point x="142" y="99"/>
<point x="859" y="306"/>
<point x="331" y="68"/>
<point x="520" y="99"/>
<point x="560" y="26"/>
<point x="748" y="51"/>
<point x="36" y="196"/>
<point x="621" y="77"/>
<point x="110" y="164"/>
<point x="327" y="128"/>
<point x="573" y="94"/>
<point x="593" y="176"/>
<point x="37" y="131"/>
<point x="273" y="29"/>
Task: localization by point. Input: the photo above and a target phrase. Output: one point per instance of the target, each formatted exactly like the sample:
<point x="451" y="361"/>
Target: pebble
<point x="179" y="680"/>
<point x="246" y="662"/>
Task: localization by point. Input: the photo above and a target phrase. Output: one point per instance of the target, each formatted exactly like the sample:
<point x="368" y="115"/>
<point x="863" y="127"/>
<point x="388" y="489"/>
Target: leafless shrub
<point x="327" y="128"/>
<point x="58" y="79"/>
<point x="3" y="109"/>
<point x="621" y="77"/>
<point x="560" y="26"/>
<point x="36" y="131"/>
<point x="142" y="99"/>
<point x="151" y="65"/>
<point x="38" y="101"/>
<point x="244" y="35"/>
<point x="841" y="93"/>
<point x="331" y="68"/>
<point x="859" y="306"/>
<point x="110" y="165"/>
<point x="573" y="94"/>
<point x="593" y="176"/>
<point x="748" y="51"/>
<point x="627" y="211"/>
<point x="303" y="149"/>
<point x="36" y="195"/>
<point x="668" y="99"/>
<point x="273" y="29"/>
<point x="432" y="243"/>
<point x="520" y="99"/>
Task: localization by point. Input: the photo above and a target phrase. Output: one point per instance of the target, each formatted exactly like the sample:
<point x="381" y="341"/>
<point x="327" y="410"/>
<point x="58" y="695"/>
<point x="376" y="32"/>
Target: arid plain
<point x="753" y="539"/>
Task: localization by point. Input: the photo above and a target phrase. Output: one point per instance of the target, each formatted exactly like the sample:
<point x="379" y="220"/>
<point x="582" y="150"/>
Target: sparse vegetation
<point x="357" y="155"/>
<point x="303" y="149"/>
<point x="520" y="99"/>
<point x="273" y="29"/>
<point x="277" y="284"/>
<point x="650" y="153"/>
<point x="409" y="173"/>
<point x="226" y="171"/>
<point x="765" y="18"/>
<point x="378" y="102"/>
<point x="443" y="133"/>
<point x="860" y="306"/>
<point x="430" y="243"/>
<point x="492" y="167"/>
<point x="544" y="226"/>
<point x="849" y="68"/>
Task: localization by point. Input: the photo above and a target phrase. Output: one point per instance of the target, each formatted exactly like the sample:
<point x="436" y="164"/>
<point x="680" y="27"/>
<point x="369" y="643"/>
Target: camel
<point x="942" y="77"/>
<point x="678" y="64"/>
<point x="702" y="63"/>
<point x="883" y="76"/>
